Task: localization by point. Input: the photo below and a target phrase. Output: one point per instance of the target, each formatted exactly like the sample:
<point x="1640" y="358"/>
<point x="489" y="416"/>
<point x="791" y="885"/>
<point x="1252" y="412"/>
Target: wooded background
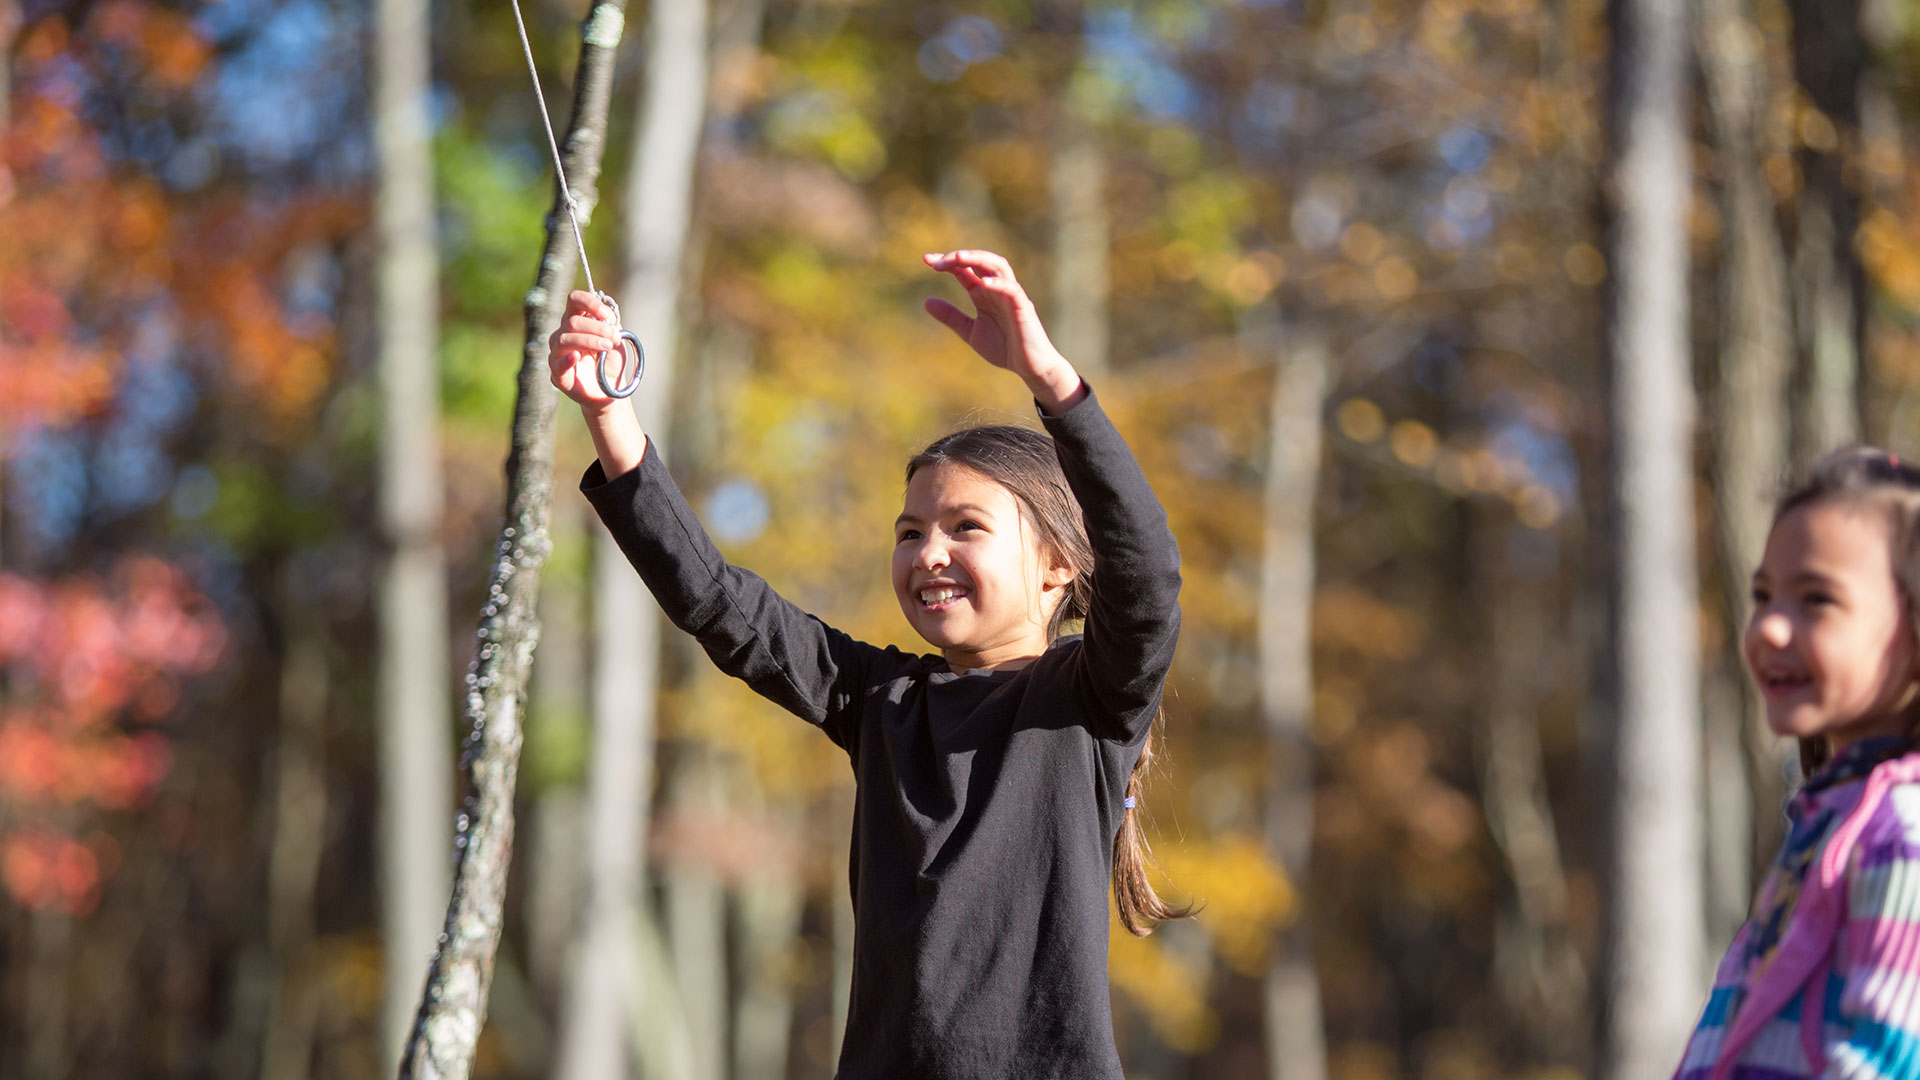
<point x="1465" y="340"/>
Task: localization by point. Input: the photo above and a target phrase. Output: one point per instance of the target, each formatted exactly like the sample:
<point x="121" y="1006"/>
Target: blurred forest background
<point x="1465" y="341"/>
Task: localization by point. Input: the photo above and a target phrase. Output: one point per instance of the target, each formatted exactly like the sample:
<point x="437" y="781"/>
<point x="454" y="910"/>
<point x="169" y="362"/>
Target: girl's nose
<point x="932" y="556"/>
<point x="1773" y="629"/>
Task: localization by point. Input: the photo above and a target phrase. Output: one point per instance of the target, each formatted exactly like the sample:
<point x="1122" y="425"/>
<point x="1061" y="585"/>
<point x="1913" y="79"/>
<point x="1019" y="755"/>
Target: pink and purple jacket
<point x="1852" y="943"/>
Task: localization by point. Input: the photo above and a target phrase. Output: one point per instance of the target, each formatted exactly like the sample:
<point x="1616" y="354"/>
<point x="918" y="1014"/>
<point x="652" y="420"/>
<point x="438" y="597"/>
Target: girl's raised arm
<point x="1134" y="618"/>
<point x="1006" y="330"/>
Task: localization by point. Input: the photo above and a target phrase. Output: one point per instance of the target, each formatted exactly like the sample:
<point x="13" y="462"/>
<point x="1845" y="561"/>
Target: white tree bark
<point x="1656" y="940"/>
<point x="1077" y="185"/>
<point x="1295" y="1028"/>
<point x="416" y="760"/>
<point x="694" y="918"/>
<point x="627" y="622"/>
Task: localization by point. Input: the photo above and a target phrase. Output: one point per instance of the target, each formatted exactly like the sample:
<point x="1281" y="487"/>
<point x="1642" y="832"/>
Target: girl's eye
<point x="1816" y="599"/>
<point x="906" y="535"/>
<point x="1761" y="596"/>
<point x="966" y="525"/>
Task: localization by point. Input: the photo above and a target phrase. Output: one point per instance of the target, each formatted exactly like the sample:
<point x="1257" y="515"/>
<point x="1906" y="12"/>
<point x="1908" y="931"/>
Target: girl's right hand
<point x="573" y="352"/>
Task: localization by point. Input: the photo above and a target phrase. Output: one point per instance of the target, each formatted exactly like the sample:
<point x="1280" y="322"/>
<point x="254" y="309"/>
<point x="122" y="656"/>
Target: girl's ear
<point x="1058" y="575"/>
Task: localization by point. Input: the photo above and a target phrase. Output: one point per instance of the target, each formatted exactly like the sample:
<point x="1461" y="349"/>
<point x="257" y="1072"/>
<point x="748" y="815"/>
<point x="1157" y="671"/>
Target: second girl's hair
<point x="1023" y="461"/>
<point x="1871" y="477"/>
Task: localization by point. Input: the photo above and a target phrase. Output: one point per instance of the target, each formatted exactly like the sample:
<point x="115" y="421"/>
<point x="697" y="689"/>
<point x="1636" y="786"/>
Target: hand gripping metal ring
<point x="610" y="383"/>
<point x="607" y="382"/>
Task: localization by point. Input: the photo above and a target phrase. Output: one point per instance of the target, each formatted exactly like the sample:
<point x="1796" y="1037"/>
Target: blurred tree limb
<point x="453" y="1006"/>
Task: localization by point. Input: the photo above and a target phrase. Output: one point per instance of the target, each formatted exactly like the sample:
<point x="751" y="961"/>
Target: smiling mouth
<point x="1783" y="683"/>
<point x="939" y="597"/>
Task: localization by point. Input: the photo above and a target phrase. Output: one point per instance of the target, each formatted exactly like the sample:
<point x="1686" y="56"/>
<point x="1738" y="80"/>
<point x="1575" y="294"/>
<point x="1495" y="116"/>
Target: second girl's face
<point x="1829" y="644"/>
<point x="968" y="571"/>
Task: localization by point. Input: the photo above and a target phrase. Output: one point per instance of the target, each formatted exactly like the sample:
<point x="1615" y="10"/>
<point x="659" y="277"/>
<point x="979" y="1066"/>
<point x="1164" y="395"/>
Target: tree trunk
<point x="1295" y="1027"/>
<point x="628" y="623"/>
<point x="1655" y="938"/>
<point x="695" y="912"/>
<point x="1750" y="429"/>
<point x="1077" y="184"/>
<point x="557" y="717"/>
<point x="416" y="796"/>
<point x="453" y="1008"/>
<point x="49" y="948"/>
<point x="1829" y="285"/>
<point x="766" y="912"/>
<point x="299" y="836"/>
<point x="1537" y="965"/>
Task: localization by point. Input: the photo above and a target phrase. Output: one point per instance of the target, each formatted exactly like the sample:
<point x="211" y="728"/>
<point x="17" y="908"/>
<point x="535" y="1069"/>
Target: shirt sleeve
<point x="752" y="633"/>
<point x="1134" y="619"/>
<point x="1879" y="1003"/>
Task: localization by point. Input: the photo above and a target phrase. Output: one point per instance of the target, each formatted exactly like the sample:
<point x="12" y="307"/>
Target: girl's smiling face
<point x="968" y="570"/>
<point x="1830" y="643"/>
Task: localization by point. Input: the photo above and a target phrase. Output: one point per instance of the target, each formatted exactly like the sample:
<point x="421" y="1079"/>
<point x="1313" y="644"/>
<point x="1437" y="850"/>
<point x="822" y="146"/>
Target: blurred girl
<point x="995" y="781"/>
<point x="1824" y="979"/>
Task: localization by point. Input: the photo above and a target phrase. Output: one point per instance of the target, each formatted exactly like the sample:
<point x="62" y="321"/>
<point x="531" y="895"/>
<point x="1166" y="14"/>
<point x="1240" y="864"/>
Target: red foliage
<point x="89" y="665"/>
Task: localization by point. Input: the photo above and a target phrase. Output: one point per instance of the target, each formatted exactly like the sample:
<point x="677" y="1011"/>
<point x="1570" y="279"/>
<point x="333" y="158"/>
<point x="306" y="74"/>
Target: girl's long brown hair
<point x="1023" y="461"/>
<point x="1868" y="476"/>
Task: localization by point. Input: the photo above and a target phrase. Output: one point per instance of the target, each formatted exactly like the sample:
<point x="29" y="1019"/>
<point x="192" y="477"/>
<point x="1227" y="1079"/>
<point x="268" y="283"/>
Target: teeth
<point x="938" y="596"/>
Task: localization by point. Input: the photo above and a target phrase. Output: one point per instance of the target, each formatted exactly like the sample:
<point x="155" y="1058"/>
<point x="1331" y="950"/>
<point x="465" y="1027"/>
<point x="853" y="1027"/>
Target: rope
<point x="625" y="338"/>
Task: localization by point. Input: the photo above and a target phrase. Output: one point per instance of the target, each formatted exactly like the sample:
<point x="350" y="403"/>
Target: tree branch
<point x="453" y="1007"/>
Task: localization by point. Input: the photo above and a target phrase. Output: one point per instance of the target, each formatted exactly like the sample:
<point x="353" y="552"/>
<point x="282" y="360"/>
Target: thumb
<point x="955" y="320"/>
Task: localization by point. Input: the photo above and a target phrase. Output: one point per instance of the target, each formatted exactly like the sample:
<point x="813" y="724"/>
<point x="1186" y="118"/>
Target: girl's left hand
<point x="1005" y="329"/>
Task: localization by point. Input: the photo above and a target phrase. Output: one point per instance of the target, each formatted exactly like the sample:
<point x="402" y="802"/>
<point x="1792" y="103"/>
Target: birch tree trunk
<point x="1655" y="939"/>
<point x="453" y="1007"/>
<point x="1077" y="185"/>
<point x="416" y="796"/>
<point x="627" y="622"/>
<point x="1750" y="430"/>
<point x="1295" y="1027"/>
<point x="1829" y="286"/>
<point x="694" y="918"/>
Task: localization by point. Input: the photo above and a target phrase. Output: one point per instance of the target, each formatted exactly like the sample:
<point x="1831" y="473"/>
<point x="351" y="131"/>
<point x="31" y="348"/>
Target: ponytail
<point x="1141" y="909"/>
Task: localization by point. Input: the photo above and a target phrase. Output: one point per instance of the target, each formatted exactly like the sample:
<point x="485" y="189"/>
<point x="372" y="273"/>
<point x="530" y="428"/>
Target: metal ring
<point x="607" y="382"/>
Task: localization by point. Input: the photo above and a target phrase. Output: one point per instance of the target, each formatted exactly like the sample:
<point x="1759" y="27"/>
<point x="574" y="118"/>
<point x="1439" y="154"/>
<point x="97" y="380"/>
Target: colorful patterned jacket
<point x="1852" y="936"/>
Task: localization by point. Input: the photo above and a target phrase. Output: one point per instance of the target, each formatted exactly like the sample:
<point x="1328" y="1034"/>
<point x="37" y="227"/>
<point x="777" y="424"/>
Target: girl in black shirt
<point x="995" y="781"/>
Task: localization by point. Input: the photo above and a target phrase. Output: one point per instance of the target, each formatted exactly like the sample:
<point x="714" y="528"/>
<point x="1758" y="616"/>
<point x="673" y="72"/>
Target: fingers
<point x="582" y="333"/>
<point x="582" y="302"/>
<point x="982" y="264"/>
<point x="954" y="319"/>
<point x="573" y="349"/>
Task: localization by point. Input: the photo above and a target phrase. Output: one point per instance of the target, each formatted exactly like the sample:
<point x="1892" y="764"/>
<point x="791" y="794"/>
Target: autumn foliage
<point x="93" y="668"/>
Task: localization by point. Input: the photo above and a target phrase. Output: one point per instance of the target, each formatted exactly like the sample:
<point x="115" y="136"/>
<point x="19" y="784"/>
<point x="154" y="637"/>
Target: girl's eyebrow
<point x="962" y="508"/>
<point x="1804" y="577"/>
<point x="1807" y="577"/>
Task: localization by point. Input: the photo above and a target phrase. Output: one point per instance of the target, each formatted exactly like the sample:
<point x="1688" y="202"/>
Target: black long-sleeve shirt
<point x="986" y="803"/>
